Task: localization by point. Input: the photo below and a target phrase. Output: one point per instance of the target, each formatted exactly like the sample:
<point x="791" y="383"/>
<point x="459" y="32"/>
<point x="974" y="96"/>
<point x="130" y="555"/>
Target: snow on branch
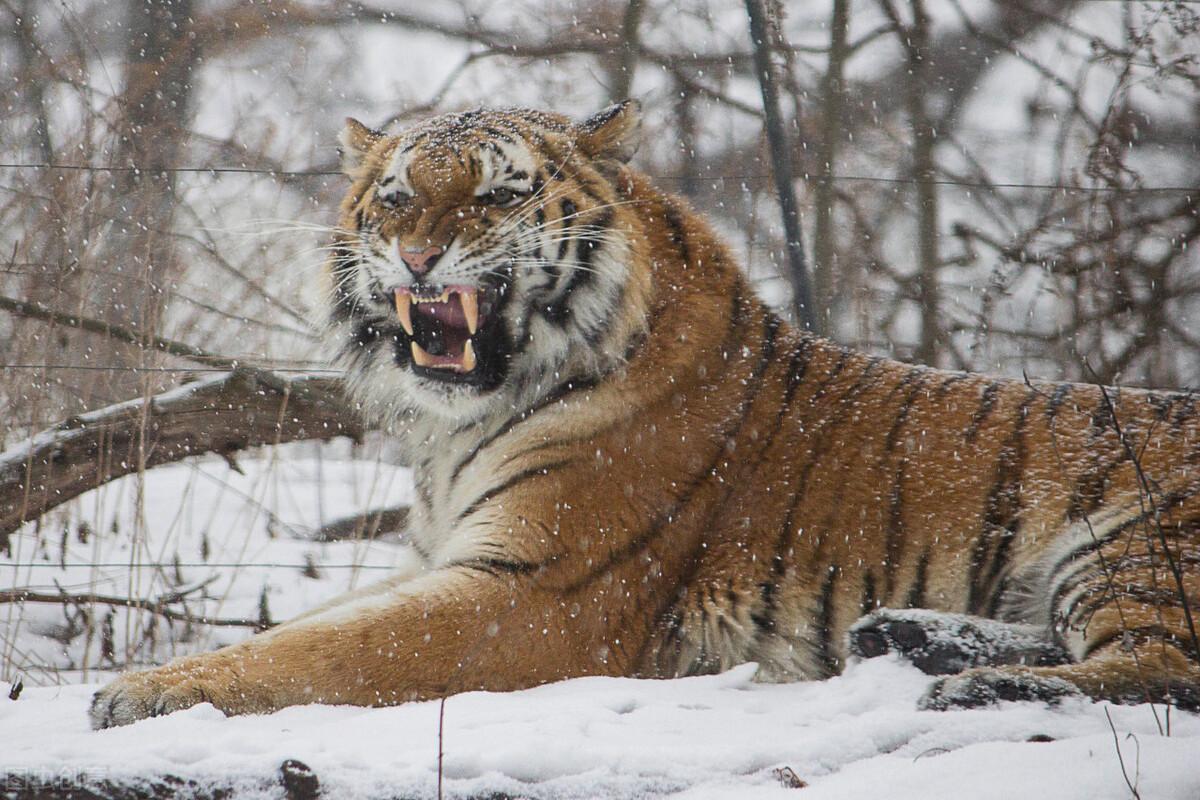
<point x="223" y="413"/>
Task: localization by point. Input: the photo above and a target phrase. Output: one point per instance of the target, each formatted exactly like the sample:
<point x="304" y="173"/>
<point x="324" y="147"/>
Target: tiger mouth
<point x="442" y="324"/>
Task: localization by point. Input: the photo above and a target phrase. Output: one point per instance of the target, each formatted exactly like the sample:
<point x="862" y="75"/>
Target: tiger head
<point x="483" y="258"/>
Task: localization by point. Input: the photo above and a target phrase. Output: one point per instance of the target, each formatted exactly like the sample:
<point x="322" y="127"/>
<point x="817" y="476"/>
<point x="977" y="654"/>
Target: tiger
<point x="626" y="464"/>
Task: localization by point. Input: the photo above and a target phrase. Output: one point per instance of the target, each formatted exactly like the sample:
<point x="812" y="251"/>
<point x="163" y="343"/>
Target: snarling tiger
<point x="627" y="465"/>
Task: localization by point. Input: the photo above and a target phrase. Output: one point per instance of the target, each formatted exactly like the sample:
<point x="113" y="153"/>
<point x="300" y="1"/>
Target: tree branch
<point x="153" y="606"/>
<point x="223" y="413"/>
<point x="113" y="331"/>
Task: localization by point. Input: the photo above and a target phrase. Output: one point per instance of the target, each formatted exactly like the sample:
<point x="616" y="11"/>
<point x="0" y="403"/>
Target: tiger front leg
<point x="456" y="630"/>
<point x="208" y="678"/>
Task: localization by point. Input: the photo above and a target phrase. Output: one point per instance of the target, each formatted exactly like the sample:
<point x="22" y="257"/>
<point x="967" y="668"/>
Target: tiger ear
<point x="613" y="132"/>
<point x="356" y="141"/>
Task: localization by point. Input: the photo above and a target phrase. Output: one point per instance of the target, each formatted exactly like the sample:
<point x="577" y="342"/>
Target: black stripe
<point x="949" y="382"/>
<point x="784" y="537"/>
<point x="1061" y="393"/>
<point x="870" y="601"/>
<point x="771" y="325"/>
<point x="893" y="541"/>
<point x="560" y="392"/>
<point x="674" y="221"/>
<point x="496" y="133"/>
<point x="1184" y="412"/>
<point x="1077" y="559"/>
<point x="914" y="382"/>
<point x="1001" y="519"/>
<point x="814" y="455"/>
<point x="343" y="263"/>
<point x="830" y="662"/>
<point x="1162" y="405"/>
<point x="558" y="311"/>
<point x="1088" y="493"/>
<point x="512" y="481"/>
<point x="797" y="366"/>
<point x="823" y="387"/>
<point x="499" y="566"/>
<point x="916" y="592"/>
<point x="987" y="403"/>
<point x="567" y="208"/>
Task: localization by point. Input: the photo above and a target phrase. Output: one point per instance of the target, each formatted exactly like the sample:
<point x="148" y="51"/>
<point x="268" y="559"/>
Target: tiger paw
<point x="155" y="692"/>
<point x="985" y="687"/>
<point x="942" y="643"/>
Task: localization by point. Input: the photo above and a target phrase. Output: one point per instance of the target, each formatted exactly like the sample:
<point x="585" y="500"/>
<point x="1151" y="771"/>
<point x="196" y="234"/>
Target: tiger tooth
<point x="420" y="357"/>
<point x="468" y="357"/>
<point x="404" y="310"/>
<point x="470" y="307"/>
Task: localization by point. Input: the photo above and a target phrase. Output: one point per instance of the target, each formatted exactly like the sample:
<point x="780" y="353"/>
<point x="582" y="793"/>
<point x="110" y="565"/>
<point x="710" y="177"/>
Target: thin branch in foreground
<point x="38" y="311"/>
<point x="1121" y="759"/>
<point x="1148" y="493"/>
<point x="153" y="606"/>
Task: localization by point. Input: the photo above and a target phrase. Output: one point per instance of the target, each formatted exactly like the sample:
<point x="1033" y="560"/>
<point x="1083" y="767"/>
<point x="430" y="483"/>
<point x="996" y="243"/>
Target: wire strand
<point x="219" y="170"/>
<point x="99" y="368"/>
<point x="172" y="564"/>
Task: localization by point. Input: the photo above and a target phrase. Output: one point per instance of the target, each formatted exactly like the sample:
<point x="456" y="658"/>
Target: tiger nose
<point x="421" y="261"/>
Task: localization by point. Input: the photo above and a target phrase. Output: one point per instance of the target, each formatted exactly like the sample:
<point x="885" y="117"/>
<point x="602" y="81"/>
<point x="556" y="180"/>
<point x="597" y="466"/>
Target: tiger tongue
<point x="450" y="313"/>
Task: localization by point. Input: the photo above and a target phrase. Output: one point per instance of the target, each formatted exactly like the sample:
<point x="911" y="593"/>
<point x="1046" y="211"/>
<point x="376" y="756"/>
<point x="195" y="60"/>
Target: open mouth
<point x="442" y="323"/>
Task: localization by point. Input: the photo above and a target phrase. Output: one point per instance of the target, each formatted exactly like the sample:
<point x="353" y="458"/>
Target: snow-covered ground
<point x="858" y="735"/>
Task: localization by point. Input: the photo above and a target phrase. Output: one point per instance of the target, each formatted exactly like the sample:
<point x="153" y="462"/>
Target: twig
<point x="1144" y="483"/>
<point x="153" y="606"/>
<point x="1121" y="759"/>
<point x="113" y="331"/>
<point x="441" y="730"/>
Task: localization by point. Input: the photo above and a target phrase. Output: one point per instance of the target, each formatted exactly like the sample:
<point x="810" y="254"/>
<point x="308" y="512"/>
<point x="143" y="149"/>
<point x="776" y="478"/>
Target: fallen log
<point x="223" y="413"/>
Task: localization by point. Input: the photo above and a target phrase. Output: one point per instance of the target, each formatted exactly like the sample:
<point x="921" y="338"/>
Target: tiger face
<point x="482" y="258"/>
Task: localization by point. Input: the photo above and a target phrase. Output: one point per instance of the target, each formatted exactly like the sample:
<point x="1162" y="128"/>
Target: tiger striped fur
<point x="627" y="465"/>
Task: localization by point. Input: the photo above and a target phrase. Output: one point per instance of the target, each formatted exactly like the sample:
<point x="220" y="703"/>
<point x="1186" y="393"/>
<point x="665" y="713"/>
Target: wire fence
<point x="195" y="565"/>
<point x="899" y="180"/>
<point x="316" y="369"/>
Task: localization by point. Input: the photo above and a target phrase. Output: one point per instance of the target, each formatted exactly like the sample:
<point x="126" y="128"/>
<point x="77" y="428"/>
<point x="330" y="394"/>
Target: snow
<point x="246" y="536"/>
<point x="858" y="735"/>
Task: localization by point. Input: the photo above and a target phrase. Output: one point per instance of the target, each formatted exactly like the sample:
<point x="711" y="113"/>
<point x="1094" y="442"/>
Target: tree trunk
<point x="153" y="114"/>
<point x="825" y="267"/>
<point x="928" y="257"/>
<point x="781" y="165"/>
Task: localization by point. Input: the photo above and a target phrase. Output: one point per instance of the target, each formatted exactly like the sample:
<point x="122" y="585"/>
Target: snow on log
<point x="224" y="413"/>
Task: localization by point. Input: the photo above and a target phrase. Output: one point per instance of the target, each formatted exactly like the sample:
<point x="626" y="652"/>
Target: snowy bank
<point x="855" y="736"/>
